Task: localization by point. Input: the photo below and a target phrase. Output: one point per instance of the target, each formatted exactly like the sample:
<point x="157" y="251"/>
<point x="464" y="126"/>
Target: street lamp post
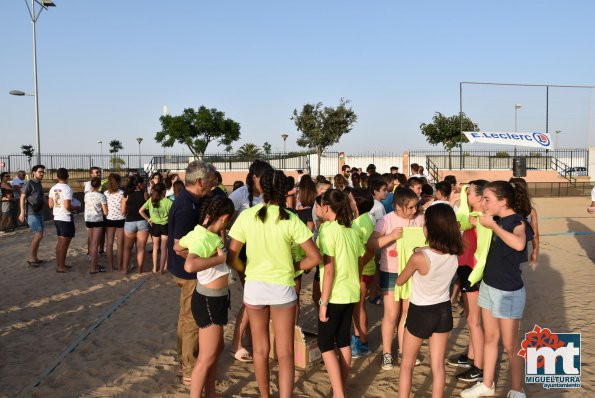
<point x="557" y="132"/>
<point x="139" y="140"/>
<point x="44" y="4"/>
<point x="516" y="108"/>
<point x="100" y="153"/>
<point x="284" y="136"/>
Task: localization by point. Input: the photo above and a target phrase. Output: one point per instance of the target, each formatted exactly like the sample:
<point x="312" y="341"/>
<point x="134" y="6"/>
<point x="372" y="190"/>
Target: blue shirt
<point x="183" y="217"/>
<point x="388" y="202"/>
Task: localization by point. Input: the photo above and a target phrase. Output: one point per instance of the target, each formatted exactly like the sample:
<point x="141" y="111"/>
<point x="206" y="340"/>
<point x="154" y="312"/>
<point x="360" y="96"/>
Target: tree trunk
<point x="450" y="159"/>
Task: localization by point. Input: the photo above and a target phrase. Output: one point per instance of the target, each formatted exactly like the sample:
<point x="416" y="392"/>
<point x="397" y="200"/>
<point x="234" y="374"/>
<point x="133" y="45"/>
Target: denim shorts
<point x="387" y="281"/>
<point x="136" y="226"/>
<point x="502" y="303"/>
<point x="35" y="222"/>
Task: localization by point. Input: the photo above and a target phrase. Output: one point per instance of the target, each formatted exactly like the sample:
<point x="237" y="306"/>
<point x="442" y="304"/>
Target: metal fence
<point x="148" y="163"/>
<point x="502" y="160"/>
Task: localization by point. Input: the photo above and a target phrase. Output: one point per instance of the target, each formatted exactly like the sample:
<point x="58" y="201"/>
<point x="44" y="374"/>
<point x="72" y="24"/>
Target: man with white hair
<point x="183" y="217"/>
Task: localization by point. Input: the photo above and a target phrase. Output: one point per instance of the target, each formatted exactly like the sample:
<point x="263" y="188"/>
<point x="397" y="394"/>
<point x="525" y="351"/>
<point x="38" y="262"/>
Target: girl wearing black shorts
<point x="210" y="300"/>
<point x="429" y="316"/>
<point x="341" y="248"/>
<point x="159" y="207"/>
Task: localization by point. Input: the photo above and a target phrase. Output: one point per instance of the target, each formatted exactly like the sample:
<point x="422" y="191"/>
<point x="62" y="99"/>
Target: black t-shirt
<point x="305" y="215"/>
<point x="135" y="201"/>
<point x="503" y="265"/>
<point x="34" y="199"/>
<point x="184" y="215"/>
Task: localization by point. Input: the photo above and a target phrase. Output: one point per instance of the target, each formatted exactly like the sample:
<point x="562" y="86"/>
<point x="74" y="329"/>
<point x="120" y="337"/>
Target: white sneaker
<point x="479" y="390"/>
<point x="516" y="394"/>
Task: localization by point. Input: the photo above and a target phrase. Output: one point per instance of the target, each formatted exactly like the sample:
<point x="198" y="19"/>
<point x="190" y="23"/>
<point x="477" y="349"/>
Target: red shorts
<point x="367" y="278"/>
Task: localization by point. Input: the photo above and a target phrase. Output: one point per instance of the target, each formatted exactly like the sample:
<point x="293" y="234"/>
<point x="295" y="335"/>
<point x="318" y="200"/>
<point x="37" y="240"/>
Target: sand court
<point x="124" y="327"/>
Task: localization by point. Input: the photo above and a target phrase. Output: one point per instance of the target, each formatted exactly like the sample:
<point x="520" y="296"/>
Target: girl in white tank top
<point x="429" y="316"/>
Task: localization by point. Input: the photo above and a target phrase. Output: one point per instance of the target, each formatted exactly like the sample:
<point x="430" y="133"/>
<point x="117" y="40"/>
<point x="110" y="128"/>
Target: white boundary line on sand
<point x="25" y="391"/>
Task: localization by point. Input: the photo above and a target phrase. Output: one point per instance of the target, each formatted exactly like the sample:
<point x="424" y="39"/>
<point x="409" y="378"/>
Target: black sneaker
<point x="473" y="374"/>
<point x="459" y="360"/>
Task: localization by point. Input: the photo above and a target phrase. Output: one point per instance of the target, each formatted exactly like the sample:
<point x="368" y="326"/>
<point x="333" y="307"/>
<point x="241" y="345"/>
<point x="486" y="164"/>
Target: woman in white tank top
<point x="429" y="316"/>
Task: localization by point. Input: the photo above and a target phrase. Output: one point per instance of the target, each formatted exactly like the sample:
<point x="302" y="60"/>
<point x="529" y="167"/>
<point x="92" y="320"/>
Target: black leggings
<point x="337" y="328"/>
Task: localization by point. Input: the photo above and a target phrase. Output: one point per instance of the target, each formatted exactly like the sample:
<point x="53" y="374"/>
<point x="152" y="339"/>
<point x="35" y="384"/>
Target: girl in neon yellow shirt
<point x="159" y="207"/>
<point x="269" y="230"/>
<point x="210" y="300"/>
<point x="364" y="225"/>
<point x="340" y="275"/>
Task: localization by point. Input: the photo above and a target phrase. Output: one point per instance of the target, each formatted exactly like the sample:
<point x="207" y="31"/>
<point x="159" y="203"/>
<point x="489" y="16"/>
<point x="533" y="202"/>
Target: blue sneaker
<point x="354" y="341"/>
<point x="355" y="347"/>
<point x="362" y="348"/>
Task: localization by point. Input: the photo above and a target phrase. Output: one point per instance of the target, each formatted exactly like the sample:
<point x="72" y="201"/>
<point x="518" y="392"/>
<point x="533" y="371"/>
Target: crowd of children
<point x="411" y="253"/>
<point x="418" y="245"/>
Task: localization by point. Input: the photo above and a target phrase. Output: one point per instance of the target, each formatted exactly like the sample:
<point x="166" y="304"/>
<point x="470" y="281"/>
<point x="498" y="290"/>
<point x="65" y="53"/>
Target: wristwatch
<point x="322" y="303"/>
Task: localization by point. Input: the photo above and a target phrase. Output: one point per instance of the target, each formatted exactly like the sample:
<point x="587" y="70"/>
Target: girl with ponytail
<point x="210" y="299"/>
<point x="268" y="231"/>
<point x="159" y="207"/>
<point x="244" y="198"/>
<point x="342" y="248"/>
<point x="502" y="292"/>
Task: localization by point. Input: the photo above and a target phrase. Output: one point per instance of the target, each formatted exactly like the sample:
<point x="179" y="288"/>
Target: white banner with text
<point x="533" y="140"/>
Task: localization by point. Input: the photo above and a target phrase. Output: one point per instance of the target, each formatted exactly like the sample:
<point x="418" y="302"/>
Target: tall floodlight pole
<point x="139" y="140"/>
<point x="34" y="13"/>
<point x="516" y="108"/>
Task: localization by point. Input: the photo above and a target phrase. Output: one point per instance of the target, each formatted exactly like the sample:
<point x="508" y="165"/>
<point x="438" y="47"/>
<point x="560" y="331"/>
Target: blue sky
<point x="107" y="69"/>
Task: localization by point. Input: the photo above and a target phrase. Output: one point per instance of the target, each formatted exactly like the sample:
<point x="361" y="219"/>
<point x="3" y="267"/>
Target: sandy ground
<point x="132" y="352"/>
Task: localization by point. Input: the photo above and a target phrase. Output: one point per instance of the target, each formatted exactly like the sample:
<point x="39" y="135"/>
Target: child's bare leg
<point x="411" y="348"/>
<point x="437" y="343"/>
<point x="283" y="321"/>
<point x="163" y="258"/>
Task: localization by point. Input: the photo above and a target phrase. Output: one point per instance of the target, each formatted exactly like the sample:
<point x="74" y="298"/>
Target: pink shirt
<point x="384" y="226"/>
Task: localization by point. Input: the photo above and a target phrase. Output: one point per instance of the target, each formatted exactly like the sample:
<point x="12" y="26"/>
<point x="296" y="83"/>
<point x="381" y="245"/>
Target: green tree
<point x="116" y="162"/>
<point x="28" y="151"/>
<point x="323" y="127"/>
<point x="266" y="147"/>
<point x="249" y="152"/>
<point x="197" y="129"/>
<point x="115" y="146"/>
<point x="447" y="131"/>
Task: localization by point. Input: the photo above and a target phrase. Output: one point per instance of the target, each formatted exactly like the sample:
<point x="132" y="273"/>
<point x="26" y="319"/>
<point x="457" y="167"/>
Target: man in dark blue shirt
<point x="183" y="217"/>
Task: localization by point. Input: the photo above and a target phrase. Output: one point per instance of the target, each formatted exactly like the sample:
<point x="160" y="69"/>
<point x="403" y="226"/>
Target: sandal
<point x="186" y="381"/>
<point x="241" y="355"/>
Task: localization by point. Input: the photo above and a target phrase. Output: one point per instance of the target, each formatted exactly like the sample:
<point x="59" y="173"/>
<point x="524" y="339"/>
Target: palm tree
<point x="114" y="147"/>
<point x="28" y="151"/>
<point x="249" y="152"/>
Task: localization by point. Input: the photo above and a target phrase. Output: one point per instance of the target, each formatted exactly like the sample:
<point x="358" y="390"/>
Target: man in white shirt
<point x="591" y="209"/>
<point x="18" y="182"/>
<point x="60" y="201"/>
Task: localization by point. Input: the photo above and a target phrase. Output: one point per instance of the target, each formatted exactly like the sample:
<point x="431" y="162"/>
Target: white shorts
<point x="257" y="293"/>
